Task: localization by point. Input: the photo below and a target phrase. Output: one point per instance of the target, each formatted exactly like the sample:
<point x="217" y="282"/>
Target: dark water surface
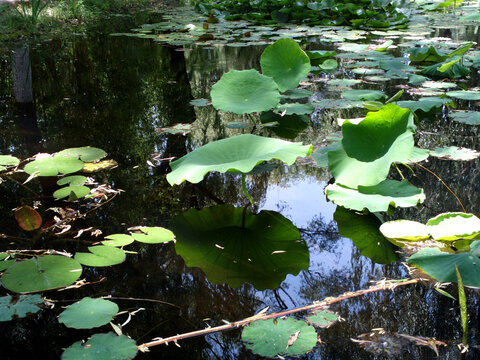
<point x="112" y="93"/>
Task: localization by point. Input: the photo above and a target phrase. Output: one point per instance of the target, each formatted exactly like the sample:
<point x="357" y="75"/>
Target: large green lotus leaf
<point x="376" y="198"/>
<point x="404" y="230"/>
<point x="101" y="255"/>
<point x="385" y="132"/>
<point x="289" y="126"/>
<point x="8" y="160"/>
<point x="244" y="92"/>
<point x="426" y="104"/>
<point x="365" y="95"/>
<point x="363" y="231"/>
<point x="454" y="71"/>
<point x="118" y="240"/>
<point x="232" y="245"/>
<point x="239" y="153"/>
<point x="426" y="54"/>
<point x="47" y="165"/>
<point x="454" y="226"/>
<point x="465" y="95"/>
<point x="455" y="153"/>
<point x="88" y="313"/>
<point x="102" y="347"/>
<point x="286" y="63"/>
<point x="153" y="235"/>
<point x="321" y="155"/>
<point x="19" y="307"/>
<point x="466" y="117"/>
<point x="441" y="265"/>
<point x="86" y="154"/>
<point x="41" y="274"/>
<point x="72" y="191"/>
<point x="271" y="337"/>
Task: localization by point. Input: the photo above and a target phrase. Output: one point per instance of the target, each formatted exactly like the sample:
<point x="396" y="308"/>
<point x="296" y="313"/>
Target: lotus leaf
<point x="425" y="54"/>
<point x="466" y="117"/>
<point x="153" y="235"/>
<point x="343" y="82"/>
<point x="365" y="95"/>
<point x="232" y="245"/>
<point x="102" y="347"/>
<point x="8" y="160"/>
<point x="452" y="70"/>
<point x="297" y="94"/>
<point x="118" y="240"/>
<point x="86" y="154"/>
<point x="101" y="255"/>
<point x="99" y="166"/>
<point x="72" y="180"/>
<point x="329" y="64"/>
<point x="47" y="165"/>
<point x="320" y="54"/>
<point x="455" y="153"/>
<point x="74" y="192"/>
<point x="367" y="71"/>
<point x="6" y="261"/>
<point x="454" y="226"/>
<point x="376" y="198"/>
<point x="244" y="92"/>
<point x="296" y="108"/>
<point x="41" y="274"/>
<point x="441" y="265"/>
<point x="425" y="104"/>
<point x="286" y="63"/>
<point x="239" y="153"/>
<point x="88" y="313"/>
<point x="272" y="337"/>
<point x="363" y="231"/>
<point x="323" y="318"/>
<point x="405" y="230"/>
<point x="289" y="126"/>
<point x="337" y="104"/>
<point x="19" y="307"/>
<point x="465" y="95"/>
<point x="321" y="155"/>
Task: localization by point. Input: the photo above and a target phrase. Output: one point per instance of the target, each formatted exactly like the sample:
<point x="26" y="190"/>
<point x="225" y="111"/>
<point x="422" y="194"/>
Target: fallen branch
<point x="381" y="285"/>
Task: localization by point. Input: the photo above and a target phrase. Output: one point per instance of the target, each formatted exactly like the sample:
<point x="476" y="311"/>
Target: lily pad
<point x="454" y="226"/>
<point x="365" y="95"/>
<point x="28" y="218"/>
<point x="48" y="165"/>
<point x="455" y="153"/>
<point x="323" y="318"/>
<point x="363" y="231"/>
<point x="86" y="154"/>
<point x="8" y="160"/>
<point x="244" y="92"/>
<point x="234" y="246"/>
<point x="466" y="117"/>
<point x="19" y="306"/>
<point x="72" y="180"/>
<point x="465" y="95"/>
<point x="101" y="255"/>
<point x="102" y="347"/>
<point x="329" y="64"/>
<point x="239" y="153"/>
<point x="441" y="265"/>
<point x="41" y="274"/>
<point x="88" y="313"/>
<point x="272" y="337"/>
<point x="376" y="198"/>
<point x="6" y="261"/>
<point x="74" y="192"/>
<point x="152" y="235"/>
<point x="118" y="240"/>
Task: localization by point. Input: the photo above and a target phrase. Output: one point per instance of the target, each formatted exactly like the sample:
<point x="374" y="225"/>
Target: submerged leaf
<point x="323" y="318"/>
<point x="28" y="218"/>
<point x="19" y="307"/>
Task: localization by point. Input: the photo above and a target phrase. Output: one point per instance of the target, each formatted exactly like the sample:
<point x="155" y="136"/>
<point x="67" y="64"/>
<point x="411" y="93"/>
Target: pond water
<point x="113" y="93"/>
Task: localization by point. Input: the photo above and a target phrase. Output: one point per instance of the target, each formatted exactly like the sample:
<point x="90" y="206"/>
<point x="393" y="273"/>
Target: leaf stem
<point x="245" y="191"/>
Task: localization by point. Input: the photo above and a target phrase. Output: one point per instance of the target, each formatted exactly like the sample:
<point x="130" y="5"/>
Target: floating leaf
<point x="363" y="231"/>
<point x="244" y="92"/>
<point x="153" y="235"/>
<point x="465" y="95"/>
<point x="270" y="338"/>
<point x="99" y="166"/>
<point x="425" y="54"/>
<point x="101" y="255"/>
<point x="321" y="155"/>
<point x="425" y="104"/>
<point x="88" y="313"/>
<point x="102" y="347"/>
<point x="289" y="126"/>
<point x="297" y="94"/>
<point x="365" y="95"/>
<point x="405" y="230"/>
<point x="234" y="246"/>
<point x="454" y="226"/>
<point x="377" y="197"/>
<point x="41" y="274"/>
<point x="286" y="63"/>
<point x="296" y="108"/>
<point x="466" y="117"/>
<point x="8" y="160"/>
<point x="74" y="192"/>
<point x="441" y="265"/>
<point x="337" y="104"/>
<point x="6" y="261"/>
<point x="47" y="165"/>
<point x="199" y="102"/>
<point x="177" y="129"/>
<point x="329" y="64"/>
<point x="455" y="153"/>
<point x="239" y="153"/>
<point x="323" y="318"/>
<point x="19" y="306"/>
<point x="118" y="240"/>
<point x="28" y="218"/>
<point x="86" y="154"/>
<point x="72" y="180"/>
